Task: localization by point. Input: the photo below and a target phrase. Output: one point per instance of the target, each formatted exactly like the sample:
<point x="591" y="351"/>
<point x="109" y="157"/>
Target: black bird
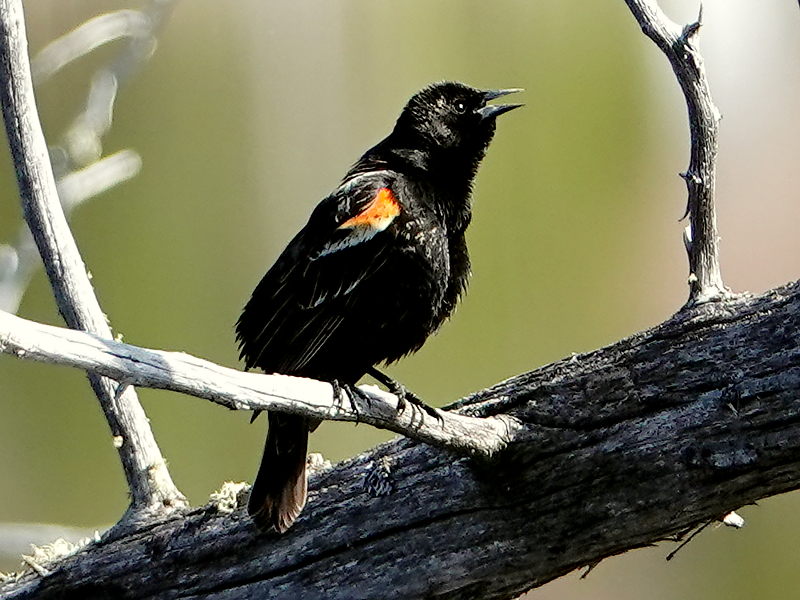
<point x="378" y="267"/>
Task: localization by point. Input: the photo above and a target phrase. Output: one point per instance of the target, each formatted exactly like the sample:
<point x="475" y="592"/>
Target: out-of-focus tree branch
<point x="81" y="170"/>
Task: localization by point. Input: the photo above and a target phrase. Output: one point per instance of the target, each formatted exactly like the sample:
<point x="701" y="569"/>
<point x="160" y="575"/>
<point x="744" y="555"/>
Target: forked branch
<point x="148" y="479"/>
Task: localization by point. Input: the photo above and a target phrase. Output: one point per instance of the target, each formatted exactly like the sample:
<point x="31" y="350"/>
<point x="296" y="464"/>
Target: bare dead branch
<point x="149" y="481"/>
<point x="179" y="372"/>
<point x="678" y="44"/>
<point x="641" y="441"/>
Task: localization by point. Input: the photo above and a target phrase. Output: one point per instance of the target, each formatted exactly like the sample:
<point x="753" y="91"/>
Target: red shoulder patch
<point x="378" y="214"/>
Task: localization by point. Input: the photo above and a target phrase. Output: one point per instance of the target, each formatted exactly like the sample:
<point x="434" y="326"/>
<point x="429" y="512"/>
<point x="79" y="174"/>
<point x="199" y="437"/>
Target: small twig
<point x="685" y="542"/>
<point x="589" y="568"/>
<point x="678" y="44"/>
<point x="179" y="372"/>
<point x="87" y="37"/>
<point x="148" y="479"/>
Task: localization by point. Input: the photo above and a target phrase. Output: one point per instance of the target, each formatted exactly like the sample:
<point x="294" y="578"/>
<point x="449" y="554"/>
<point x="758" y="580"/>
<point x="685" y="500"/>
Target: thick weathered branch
<point x="148" y="479"/>
<point x="611" y="450"/>
<point x="678" y="44"/>
<point x="179" y="372"/>
<point x="620" y="447"/>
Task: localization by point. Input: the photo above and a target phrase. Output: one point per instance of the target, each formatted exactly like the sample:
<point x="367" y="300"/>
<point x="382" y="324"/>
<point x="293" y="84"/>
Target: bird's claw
<point x="352" y="393"/>
<point x="404" y="396"/>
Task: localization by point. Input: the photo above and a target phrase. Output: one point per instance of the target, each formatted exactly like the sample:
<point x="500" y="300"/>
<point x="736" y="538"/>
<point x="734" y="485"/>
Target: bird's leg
<point x="403" y="395"/>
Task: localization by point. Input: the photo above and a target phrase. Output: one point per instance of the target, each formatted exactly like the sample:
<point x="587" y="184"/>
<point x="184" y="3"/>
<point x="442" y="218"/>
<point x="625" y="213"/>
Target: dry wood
<point x="151" y="487"/>
<point x="620" y="448"/>
<point x="133" y="366"/>
<point x="679" y="46"/>
<point x="588" y="457"/>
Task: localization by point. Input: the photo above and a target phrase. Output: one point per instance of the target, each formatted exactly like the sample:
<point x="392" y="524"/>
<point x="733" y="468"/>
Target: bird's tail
<point x="279" y="490"/>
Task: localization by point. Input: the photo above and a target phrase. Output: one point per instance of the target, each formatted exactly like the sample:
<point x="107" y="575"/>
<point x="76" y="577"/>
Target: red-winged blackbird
<point x="378" y="267"/>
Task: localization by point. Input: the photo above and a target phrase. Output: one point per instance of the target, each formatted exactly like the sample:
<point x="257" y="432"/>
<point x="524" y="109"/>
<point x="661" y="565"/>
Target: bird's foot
<point x="352" y="393"/>
<point x="403" y="395"/>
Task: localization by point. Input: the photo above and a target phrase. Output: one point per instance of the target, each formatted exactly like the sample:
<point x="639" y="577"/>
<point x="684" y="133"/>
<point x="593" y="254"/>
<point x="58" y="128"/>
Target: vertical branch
<point x="148" y="479"/>
<point x="678" y="44"/>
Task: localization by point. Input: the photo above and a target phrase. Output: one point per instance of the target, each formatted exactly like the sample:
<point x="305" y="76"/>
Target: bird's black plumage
<point x="378" y="267"/>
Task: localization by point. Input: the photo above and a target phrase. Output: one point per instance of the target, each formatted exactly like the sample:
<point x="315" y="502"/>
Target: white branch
<point x="151" y="487"/>
<point x="179" y="372"/>
<point x="87" y="37"/>
<point x="678" y="44"/>
<point x="110" y="171"/>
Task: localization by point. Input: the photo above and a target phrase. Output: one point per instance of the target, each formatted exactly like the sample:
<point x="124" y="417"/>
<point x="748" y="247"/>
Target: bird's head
<point x="453" y="116"/>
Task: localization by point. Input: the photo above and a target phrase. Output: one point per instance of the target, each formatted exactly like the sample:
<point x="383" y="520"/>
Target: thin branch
<point x="179" y="372"/>
<point x="87" y="37"/>
<point x="145" y="470"/>
<point x="678" y="44"/>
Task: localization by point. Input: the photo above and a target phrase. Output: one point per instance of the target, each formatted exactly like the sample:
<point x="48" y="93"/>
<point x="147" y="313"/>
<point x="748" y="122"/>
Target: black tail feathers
<point x="279" y="490"/>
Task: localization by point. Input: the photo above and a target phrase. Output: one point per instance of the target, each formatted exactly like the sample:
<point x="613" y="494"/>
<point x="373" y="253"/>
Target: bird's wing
<point x="303" y="298"/>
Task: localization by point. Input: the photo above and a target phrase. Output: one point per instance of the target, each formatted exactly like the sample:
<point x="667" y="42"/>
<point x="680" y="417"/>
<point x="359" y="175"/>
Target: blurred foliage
<point x="246" y="116"/>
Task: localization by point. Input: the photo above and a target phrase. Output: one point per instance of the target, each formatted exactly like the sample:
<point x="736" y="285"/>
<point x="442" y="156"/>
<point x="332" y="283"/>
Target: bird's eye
<point x="460" y="108"/>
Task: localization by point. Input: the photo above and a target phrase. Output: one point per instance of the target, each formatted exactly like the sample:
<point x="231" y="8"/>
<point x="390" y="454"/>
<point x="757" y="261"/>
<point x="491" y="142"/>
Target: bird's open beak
<point x="495" y="110"/>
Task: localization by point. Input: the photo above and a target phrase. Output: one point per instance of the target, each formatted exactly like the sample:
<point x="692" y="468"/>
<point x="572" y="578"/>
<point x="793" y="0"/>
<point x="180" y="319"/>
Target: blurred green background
<point x="250" y="112"/>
